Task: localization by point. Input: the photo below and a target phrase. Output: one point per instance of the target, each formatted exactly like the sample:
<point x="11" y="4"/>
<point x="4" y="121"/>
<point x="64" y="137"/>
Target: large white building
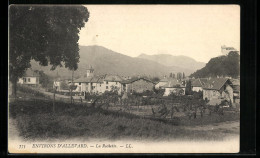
<point x="174" y="86"/>
<point x="30" y="78"/>
<point x="98" y="84"/>
<point x="225" y="50"/>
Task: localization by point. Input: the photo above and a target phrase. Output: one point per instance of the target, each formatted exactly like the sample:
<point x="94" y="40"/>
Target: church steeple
<point x="90" y="72"/>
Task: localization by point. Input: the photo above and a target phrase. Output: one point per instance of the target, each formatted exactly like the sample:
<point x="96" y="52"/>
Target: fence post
<point x="81" y="101"/>
<point x="53" y="107"/>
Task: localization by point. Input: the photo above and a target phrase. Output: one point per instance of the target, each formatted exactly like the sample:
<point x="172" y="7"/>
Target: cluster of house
<point x="214" y="89"/>
<point x="99" y="84"/>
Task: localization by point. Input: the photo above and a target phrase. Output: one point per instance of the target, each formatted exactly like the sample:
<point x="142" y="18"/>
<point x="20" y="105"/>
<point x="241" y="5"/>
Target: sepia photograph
<point x="124" y="79"/>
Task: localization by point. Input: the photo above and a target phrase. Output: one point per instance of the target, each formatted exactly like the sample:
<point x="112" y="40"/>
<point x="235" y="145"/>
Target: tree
<point x="64" y="85"/>
<point x="155" y="79"/>
<point x="188" y="88"/>
<point x="170" y="75"/>
<point x="46" y="34"/>
<point x="173" y="75"/>
<point x="183" y="75"/>
<point x="179" y="76"/>
<point x="44" y="79"/>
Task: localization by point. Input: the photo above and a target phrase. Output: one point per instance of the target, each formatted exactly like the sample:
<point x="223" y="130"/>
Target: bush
<point x="145" y="93"/>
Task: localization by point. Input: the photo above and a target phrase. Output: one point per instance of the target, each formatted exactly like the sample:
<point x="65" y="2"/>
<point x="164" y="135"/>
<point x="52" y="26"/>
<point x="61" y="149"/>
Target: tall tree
<point x="188" y="88"/>
<point x="173" y="75"/>
<point x="179" y="76"/>
<point x="46" y="34"/>
<point x="45" y="80"/>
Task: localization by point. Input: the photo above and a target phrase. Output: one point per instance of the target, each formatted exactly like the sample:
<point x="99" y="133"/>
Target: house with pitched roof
<point x="217" y="89"/>
<point x="138" y="85"/>
<point x="30" y="78"/>
<point x="98" y="84"/>
<point x="162" y="82"/>
<point x="174" y="86"/>
<point x="197" y="84"/>
<point x="112" y="82"/>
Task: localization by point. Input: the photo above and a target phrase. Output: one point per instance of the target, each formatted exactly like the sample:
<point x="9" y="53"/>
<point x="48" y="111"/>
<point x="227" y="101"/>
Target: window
<point x="79" y="83"/>
<point x="116" y="82"/>
<point x="106" y="82"/>
<point x="29" y="79"/>
<point x="24" y="79"/>
<point x="106" y="87"/>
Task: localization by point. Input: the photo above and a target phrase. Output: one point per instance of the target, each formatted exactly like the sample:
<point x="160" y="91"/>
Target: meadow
<point x="37" y="120"/>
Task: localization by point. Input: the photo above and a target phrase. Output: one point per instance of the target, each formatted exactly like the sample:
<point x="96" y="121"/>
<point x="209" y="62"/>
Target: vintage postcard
<point x="124" y="79"/>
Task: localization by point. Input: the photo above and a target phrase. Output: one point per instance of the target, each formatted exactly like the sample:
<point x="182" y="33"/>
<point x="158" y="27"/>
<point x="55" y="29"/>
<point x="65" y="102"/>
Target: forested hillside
<point x="221" y="66"/>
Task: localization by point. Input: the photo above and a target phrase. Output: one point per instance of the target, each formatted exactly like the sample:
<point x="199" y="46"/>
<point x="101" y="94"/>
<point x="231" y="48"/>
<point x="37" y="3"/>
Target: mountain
<point x="225" y="65"/>
<point x="106" y="61"/>
<point x="177" y="61"/>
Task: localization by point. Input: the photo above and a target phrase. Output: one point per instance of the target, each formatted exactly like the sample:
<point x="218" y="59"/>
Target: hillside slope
<point x="228" y="65"/>
<point x="178" y="61"/>
<point x="106" y="61"/>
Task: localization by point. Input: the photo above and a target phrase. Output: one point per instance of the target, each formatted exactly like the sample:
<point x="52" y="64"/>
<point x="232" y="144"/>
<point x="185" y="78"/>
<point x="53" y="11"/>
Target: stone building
<point x="218" y="89"/>
<point x="138" y="85"/>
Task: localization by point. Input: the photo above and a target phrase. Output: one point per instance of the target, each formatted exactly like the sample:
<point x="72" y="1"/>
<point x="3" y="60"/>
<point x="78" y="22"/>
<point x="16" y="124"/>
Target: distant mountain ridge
<point x="106" y="61"/>
<point x="178" y="61"/>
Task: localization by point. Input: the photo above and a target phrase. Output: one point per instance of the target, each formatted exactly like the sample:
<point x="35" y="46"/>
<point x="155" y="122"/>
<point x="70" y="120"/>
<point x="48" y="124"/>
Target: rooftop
<point x="31" y="73"/>
<point x="216" y="83"/>
<point x="173" y="83"/>
<point x="100" y="79"/>
<point x="135" y="79"/>
<point x="113" y="78"/>
<point x="199" y="82"/>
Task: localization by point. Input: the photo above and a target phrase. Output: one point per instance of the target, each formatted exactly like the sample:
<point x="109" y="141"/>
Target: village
<point x="119" y="93"/>
<point x="214" y="89"/>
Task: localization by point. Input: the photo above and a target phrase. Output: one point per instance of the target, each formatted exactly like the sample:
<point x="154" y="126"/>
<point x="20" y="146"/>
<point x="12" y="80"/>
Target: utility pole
<point x="53" y="104"/>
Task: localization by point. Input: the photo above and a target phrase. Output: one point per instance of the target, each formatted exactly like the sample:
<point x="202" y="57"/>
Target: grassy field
<point x="36" y="120"/>
<point x="180" y="118"/>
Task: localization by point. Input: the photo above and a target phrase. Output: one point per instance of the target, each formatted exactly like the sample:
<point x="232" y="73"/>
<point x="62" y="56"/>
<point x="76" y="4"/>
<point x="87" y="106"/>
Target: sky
<point x="196" y="31"/>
